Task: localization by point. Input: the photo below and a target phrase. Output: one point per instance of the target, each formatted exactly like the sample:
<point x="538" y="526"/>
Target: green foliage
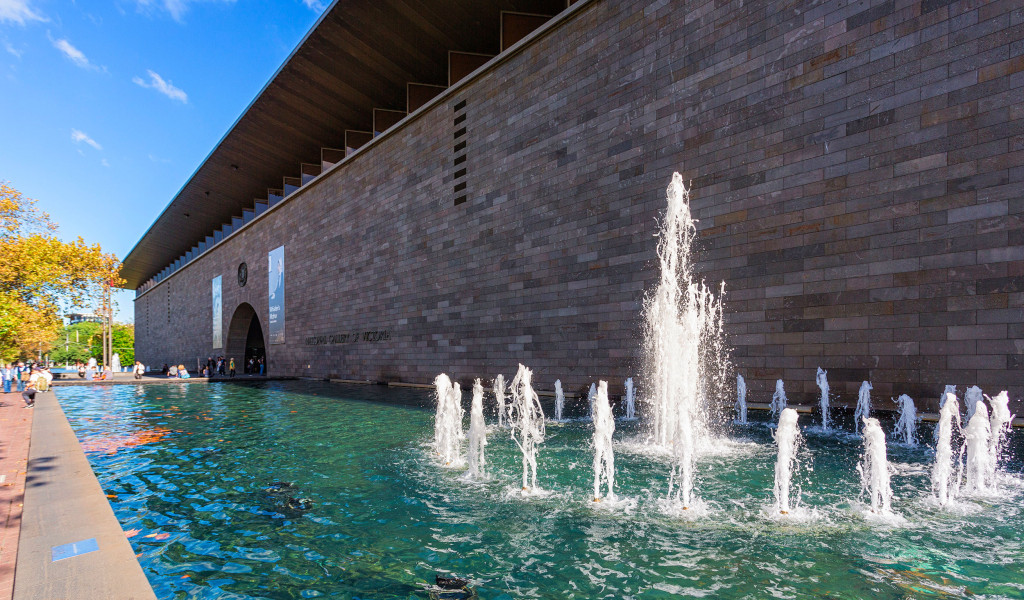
<point x="81" y="341"/>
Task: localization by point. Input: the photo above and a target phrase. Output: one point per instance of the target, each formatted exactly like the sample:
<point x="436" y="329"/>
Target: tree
<point x="40" y="274"/>
<point x="77" y="343"/>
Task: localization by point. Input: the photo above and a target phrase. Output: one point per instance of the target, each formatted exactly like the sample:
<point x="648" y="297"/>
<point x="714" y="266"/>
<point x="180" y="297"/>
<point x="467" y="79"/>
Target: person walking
<point x="22" y="373"/>
<point x="6" y="373"/>
<point x="231" y="367"/>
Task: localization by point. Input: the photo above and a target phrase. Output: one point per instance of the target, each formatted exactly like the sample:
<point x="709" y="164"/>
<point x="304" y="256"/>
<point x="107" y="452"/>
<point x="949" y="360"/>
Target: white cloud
<point x="104" y="163"/>
<point x="11" y="49"/>
<point x="164" y="87"/>
<point x="73" y="54"/>
<point x="79" y="137"/>
<point x="176" y="8"/>
<point x="18" y="11"/>
<point x="314" y="5"/>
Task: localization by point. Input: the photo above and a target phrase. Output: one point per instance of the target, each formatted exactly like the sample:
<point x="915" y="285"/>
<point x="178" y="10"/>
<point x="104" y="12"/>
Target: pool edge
<point x="65" y="504"/>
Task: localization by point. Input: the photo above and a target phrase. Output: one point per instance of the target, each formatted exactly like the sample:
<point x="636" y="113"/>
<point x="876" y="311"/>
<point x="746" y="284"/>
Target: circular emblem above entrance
<point x="243" y="274"/>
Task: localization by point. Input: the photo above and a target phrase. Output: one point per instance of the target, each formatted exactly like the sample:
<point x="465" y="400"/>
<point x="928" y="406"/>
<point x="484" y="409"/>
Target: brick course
<point x="857" y="173"/>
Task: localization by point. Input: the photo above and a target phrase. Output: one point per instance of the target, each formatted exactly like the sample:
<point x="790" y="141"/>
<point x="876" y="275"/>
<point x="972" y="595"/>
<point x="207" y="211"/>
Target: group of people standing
<point x="219" y="366"/>
<point x="28" y="379"/>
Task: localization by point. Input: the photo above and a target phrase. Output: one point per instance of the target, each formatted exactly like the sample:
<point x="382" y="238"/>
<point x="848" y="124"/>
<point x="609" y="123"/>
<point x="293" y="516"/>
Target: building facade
<point x="857" y="170"/>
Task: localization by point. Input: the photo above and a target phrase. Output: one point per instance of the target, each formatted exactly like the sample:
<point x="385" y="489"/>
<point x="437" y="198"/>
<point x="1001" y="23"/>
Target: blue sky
<point x="107" y="107"/>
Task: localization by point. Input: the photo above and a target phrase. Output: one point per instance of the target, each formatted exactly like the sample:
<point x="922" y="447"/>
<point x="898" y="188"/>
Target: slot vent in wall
<point x="459" y="153"/>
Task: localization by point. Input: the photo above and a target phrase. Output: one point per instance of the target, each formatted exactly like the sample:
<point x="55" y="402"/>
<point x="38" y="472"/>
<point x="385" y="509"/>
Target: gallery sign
<point x="275" y="272"/>
<point x="349" y="338"/>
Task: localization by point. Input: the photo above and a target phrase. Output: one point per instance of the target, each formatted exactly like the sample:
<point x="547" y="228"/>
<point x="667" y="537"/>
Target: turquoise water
<point x="190" y="468"/>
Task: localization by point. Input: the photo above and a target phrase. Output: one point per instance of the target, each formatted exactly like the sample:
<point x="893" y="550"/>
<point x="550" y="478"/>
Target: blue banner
<point x="275" y="272"/>
<point x="218" y="314"/>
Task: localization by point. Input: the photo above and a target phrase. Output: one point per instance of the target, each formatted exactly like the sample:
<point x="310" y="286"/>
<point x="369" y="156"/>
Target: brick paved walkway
<point x="15" y="431"/>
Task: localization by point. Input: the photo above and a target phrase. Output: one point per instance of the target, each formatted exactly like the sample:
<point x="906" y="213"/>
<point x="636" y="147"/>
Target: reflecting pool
<point x="305" y="490"/>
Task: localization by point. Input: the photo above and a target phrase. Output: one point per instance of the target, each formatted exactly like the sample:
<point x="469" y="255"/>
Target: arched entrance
<point x="245" y="340"/>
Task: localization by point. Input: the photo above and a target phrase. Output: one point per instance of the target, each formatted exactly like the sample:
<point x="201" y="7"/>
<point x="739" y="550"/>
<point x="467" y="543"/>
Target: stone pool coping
<point x="65" y="504"/>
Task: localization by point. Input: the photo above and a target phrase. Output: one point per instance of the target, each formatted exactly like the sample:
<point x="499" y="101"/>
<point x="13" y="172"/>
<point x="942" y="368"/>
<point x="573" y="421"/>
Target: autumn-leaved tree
<point x="40" y="274"/>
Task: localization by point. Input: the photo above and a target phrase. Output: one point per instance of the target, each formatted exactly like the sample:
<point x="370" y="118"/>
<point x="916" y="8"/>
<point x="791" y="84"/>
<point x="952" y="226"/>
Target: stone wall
<point x="857" y="169"/>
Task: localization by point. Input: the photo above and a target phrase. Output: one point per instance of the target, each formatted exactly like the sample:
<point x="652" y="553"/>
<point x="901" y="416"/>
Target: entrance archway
<point x="245" y="340"/>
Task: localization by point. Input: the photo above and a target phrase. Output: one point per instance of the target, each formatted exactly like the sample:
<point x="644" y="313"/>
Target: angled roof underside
<point x="359" y="56"/>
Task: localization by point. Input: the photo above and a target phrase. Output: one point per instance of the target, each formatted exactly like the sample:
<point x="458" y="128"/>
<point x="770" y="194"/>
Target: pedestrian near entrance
<point x="7" y="374"/>
<point x="231" y="367"/>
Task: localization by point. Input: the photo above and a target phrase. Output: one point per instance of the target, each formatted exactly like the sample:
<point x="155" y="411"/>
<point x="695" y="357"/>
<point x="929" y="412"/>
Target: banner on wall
<point x="275" y="271"/>
<point x="218" y="315"/>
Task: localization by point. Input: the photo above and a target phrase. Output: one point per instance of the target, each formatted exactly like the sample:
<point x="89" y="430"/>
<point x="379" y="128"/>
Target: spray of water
<point x="874" y="468"/>
<point x="944" y="484"/>
<point x="604" y="460"/>
<point x="559" y="400"/>
<point x="863" y="405"/>
<point x="977" y="435"/>
<point x="999" y="426"/>
<point x="779" y="400"/>
<point x="591" y="398"/>
<point x="950" y="389"/>
<point x="477" y="434"/>
<point x="630" y="400"/>
<point x="526" y="418"/>
<point x="972" y="397"/>
<point x="741" y="400"/>
<point x="499" y="398"/>
<point x="685" y="358"/>
<point x="821" y="378"/>
<point x="906" y="426"/>
<point x="787" y="438"/>
<point x="448" y="432"/>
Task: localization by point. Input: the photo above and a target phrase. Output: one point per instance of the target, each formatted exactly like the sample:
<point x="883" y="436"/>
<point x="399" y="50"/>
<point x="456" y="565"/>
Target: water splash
<point x="499" y="397"/>
<point x="526" y="418"/>
<point x="787" y="438"/>
<point x="821" y="378"/>
<point x="685" y="356"/>
<point x="874" y="468"/>
<point x="559" y="400"/>
<point x="779" y="400"/>
<point x="977" y="435"/>
<point x="591" y="398"/>
<point x="950" y="389"/>
<point x="477" y="434"/>
<point x="972" y="397"/>
<point x="604" y="459"/>
<point x="630" y="400"/>
<point x="906" y="426"/>
<point x="999" y="427"/>
<point x="863" y="405"/>
<point x="741" y="400"/>
<point x="448" y="421"/>
<point x="944" y="484"/>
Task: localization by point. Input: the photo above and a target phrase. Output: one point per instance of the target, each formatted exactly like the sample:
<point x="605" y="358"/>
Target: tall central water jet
<point x="863" y="405"/>
<point x="685" y="361"/>
<point x="874" y="468"/>
<point x="591" y="398"/>
<point x="821" y="378"/>
<point x="787" y="438"/>
<point x="604" y="460"/>
<point x="477" y="433"/>
<point x="943" y="483"/>
<point x="972" y="397"/>
<point x="499" y="397"/>
<point x="526" y="418"/>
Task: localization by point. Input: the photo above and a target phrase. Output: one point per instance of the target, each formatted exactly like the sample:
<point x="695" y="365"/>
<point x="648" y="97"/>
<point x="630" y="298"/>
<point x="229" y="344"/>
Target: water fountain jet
<point x="779" y="400"/>
<point x="943" y="483"/>
<point x="787" y="438"/>
<point x="604" y="459"/>
<point x="863" y="405"/>
<point x="559" y="400"/>
<point x="999" y="427"/>
<point x="874" y="468"/>
<point x="906" y="426"/>
<point x="630" y="400"/>
<point x="448" y="432"/>
<point x="977" y="435"/>
<point x="741" y="400"/>
<point x="499" y="397"/>
<point x="477" y="434"/>
<point x="821" y="378"/>
<point x="526" y="418"/>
